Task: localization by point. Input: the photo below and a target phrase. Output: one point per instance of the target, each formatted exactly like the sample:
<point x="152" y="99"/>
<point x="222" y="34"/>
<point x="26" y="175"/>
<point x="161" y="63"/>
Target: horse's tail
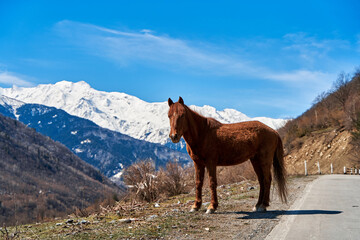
<point x="280" y="171"/>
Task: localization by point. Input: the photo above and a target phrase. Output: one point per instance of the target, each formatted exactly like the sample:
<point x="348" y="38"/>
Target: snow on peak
<point x="118" y="111"/>
<point x="4" y="100"/>
<point x="11" y="103"/>
<point x="71" y="85"/>
<point x="224" y="116"/>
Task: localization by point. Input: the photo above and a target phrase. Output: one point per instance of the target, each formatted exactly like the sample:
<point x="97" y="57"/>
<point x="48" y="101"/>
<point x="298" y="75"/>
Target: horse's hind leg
<point x="262" y="167"/>
<point x="267" y="186"/>
<point x="260" y="176"/>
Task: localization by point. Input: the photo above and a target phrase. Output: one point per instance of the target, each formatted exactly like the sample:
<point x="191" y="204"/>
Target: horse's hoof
<point x="194" y="210"/>
<point x="259" y="209"/>
<point x="210" y="211"/>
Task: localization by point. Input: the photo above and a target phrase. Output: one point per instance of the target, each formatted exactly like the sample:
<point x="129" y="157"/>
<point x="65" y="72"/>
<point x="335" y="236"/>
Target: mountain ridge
<point x="119" y="111"/>
<point x="107" y="150"/>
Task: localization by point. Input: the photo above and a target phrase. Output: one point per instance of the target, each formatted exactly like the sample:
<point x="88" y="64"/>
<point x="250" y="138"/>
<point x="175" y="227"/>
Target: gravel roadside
<point x="234" y="218"/>
<point x="170" y="219"/>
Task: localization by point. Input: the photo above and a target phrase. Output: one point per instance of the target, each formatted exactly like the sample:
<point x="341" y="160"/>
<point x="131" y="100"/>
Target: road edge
<point x="280" y="231"/>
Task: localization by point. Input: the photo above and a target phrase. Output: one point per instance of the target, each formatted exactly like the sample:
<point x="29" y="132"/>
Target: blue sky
<point x="262" y="58"/>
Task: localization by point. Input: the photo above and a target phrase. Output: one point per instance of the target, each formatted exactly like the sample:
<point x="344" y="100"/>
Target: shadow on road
<point x="275" y="214"/>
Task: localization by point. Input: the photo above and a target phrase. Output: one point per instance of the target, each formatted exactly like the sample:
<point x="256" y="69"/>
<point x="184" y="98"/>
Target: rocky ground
<point x="324" y="147"/>
<point x="170" y="219"/>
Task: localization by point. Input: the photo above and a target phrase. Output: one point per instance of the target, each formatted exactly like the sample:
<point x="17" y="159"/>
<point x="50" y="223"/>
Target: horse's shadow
<point x="275" y="213"/>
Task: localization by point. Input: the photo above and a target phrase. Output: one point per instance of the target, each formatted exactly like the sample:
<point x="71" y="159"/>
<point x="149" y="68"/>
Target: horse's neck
<point x="197" y="126"/>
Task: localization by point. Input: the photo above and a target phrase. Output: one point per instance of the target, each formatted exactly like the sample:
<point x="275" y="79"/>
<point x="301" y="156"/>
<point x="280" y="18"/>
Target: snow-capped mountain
<point x="107" y="150"/>
<point x="118" y="111"/>
<point x="8" y="106"/>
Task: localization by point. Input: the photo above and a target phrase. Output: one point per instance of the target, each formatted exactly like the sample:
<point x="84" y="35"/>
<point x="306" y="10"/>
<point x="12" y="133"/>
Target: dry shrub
<point x="236" y="173"/>
<point x="96" y="208"/>
<point x="172" y="179"/>
<point x="147" y="184"/>
<point x="142" y="180"/>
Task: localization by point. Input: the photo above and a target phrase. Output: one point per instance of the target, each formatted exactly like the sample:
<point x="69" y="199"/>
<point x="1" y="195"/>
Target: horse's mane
<point x="211" y="122"/>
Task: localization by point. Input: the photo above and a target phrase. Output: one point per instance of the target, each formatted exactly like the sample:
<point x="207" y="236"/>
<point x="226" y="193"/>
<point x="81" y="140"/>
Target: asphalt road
<point x="329" y="209"/>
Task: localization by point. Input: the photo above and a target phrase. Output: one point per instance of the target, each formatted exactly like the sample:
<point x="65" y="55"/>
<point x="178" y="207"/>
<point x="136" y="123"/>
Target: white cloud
<point x="310" y="83"/>
<point x="311" y="48"/>
<point x="300" y="76"/>
<point x="162" y="51"/>
<point x="144" y="46"/>
<point x="9" y="78"/>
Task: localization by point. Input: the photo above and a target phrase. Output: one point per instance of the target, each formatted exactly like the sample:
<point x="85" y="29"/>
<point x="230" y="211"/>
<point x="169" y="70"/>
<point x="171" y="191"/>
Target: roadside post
<point x="331" y="168"/>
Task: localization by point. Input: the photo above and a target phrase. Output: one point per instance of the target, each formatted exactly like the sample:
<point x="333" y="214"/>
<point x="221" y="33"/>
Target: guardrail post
<point x="331" y="168"/>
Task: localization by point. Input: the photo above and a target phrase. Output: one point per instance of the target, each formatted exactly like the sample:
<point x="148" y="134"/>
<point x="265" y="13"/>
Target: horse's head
<point x="177" y="118"/>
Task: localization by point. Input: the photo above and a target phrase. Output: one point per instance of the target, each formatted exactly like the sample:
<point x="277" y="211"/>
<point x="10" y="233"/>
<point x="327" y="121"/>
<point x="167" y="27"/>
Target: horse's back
<point x="255" y="124"/>
<point x="238" y="142"/>
<point x="245" y="129"/>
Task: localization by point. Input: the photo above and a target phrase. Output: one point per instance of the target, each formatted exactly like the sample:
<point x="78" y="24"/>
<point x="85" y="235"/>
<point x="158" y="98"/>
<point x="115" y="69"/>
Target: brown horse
<point x="211" y="143"/>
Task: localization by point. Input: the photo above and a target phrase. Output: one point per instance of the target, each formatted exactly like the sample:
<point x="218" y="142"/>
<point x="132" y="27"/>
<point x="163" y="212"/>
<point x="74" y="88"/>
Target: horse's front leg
<point x="213" y="184"/>
<point x="199" y="178"/>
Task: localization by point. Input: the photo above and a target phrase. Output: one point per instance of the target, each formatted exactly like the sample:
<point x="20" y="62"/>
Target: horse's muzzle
<point x="174" y="138"/>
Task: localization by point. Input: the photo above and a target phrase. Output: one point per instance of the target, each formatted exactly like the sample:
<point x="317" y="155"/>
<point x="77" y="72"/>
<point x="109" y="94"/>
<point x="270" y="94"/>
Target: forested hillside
<point x="40" y="178"/>
<point x="329" y="131"/>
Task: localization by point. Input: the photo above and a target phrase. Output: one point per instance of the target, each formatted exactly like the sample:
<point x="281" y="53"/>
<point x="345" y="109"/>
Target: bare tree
<point x="356" y="132"/>
<point x="141" y="180"/>
<point x="341" y="88"/>
<point x="320" y="99"/>
<point x="172" y="179"/>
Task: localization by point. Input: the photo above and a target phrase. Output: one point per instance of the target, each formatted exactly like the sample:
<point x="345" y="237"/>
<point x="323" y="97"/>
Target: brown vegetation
<point x="337" y="108"/>
<point x="41" y="179"/>
<point x="236" y="173"/>
<point x="145" y="183"/>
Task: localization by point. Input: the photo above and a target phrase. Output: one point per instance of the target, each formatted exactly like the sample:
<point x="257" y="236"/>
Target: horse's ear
<point x="170" y="102"/>
<point x="181" y="101"/>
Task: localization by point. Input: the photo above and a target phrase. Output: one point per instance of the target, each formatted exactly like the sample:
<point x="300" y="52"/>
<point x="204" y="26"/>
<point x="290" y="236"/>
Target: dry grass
<point x="171" y="219"/>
